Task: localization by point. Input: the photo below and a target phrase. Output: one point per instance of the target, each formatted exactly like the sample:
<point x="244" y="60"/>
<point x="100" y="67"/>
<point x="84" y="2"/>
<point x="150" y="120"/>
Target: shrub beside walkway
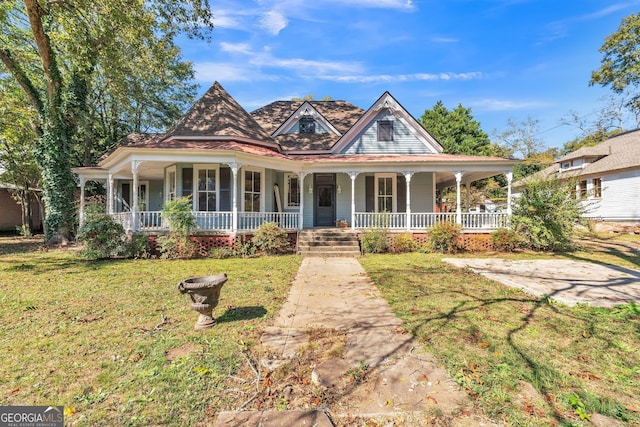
<point x="380" y="374"/>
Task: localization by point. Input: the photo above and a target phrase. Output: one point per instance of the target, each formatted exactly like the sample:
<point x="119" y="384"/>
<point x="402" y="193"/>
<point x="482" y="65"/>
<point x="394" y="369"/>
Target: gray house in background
<point x="607" y="179"/>
<point x="302" y="164"/>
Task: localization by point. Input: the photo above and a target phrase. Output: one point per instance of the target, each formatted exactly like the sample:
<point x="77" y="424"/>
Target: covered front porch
<point x="234" y="197"/>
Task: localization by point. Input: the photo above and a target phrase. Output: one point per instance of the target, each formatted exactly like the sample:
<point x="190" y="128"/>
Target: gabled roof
<point x="342" y="115"/>
<point x="216" y="113"/>
<point x="614" y="154"/>
<point x="388" y="102"/>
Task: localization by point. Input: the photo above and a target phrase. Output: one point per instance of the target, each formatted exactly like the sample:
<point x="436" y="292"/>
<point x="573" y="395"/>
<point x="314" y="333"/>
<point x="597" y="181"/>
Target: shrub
<point x="243" y="248"/>
<point x="176" y="246"/>
<point x="404" y="243"/>
<point x="102" y="237"/>
<point x="270" y="238"/>
<point x="138" y="247"/>
<point x="443" y="237"/>
<point x="506" y="240"/>
<point x="374" y="241"/>
<point x="546" y="214"/>
<point x="179" y="215"/>
<point x="220" y="253"/>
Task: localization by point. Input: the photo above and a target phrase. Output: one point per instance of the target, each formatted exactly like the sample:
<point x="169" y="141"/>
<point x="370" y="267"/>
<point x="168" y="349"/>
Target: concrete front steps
<point x="328" y="242"/>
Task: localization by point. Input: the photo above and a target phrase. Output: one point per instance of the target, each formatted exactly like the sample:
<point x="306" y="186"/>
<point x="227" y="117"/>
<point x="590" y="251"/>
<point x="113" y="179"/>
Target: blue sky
<point x="504" y="59"/>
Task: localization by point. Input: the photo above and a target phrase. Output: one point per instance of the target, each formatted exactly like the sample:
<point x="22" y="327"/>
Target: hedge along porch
<point x="300" y="164"/>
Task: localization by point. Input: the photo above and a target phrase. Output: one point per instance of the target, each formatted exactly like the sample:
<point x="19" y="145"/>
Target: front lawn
<point x="524" y="361"/>
<point x="113" y="341"/>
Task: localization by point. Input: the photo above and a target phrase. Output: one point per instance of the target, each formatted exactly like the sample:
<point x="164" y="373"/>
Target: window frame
<point x="168" y="183"/>
<point x="243" y="191"/>
<point x="394" y="191"/>
<point x="597" y="187"/>
<point x="196" y="191"/>
<point x="308" y="121"/>
<point x="288" y="187"/>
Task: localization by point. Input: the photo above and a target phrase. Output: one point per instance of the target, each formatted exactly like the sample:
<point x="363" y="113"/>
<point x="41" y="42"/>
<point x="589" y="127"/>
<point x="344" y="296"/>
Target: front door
<point x="325" y="200"/>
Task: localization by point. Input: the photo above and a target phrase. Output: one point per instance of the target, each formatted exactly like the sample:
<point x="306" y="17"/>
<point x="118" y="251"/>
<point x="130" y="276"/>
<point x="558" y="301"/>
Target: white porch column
<point x="110" y="193"/>
<point x="83" y="181"/>
<point x="134" y="203"/>
<point x="407" y="178"/>
<point x="234" y="220"/>
<point x="509" y="176"/>
<point x="301" y="177"/>
<point x="458" y="207"/>
<point x="353" y="176"/>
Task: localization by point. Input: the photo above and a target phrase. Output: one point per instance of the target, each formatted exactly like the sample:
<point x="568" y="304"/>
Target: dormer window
<point x="385" y="130"/>
<point x="566" y="165"/>
<point x="307" y="125"/>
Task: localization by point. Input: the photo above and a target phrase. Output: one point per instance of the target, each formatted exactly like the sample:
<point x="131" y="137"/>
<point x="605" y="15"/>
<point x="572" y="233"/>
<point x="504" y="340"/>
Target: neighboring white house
<point x="300" y="163"/>
<point x="607" y="178"/>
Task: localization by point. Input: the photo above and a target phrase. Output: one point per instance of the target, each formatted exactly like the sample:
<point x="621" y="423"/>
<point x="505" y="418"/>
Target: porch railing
<point x="421" y="221"/>
<point x="247" y="221"/>
<point x="253" y="220"/>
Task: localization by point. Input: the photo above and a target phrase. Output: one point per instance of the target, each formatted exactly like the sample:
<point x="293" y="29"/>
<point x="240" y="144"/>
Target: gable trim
<point x="305" y="110"/>
<point x="388" y="102"/>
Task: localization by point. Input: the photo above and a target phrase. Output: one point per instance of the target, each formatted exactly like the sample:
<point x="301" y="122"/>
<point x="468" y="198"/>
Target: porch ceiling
<point x="448" y="179"/>
<point x="147" y="170"/>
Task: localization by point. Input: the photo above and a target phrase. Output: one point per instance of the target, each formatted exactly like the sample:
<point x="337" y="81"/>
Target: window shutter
<point x="225" y="189"/>
<point x="370" y="198"/>
<point x="402" y="193"/>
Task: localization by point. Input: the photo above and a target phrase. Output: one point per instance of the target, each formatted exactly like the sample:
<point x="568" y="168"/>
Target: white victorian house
<point x="302" y="164"/>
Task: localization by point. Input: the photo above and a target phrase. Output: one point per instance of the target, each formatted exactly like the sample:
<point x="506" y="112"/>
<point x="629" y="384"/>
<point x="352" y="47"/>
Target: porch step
<point x="328" y="243"/>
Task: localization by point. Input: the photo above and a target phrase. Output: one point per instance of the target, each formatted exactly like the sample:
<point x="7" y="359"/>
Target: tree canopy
<point x="457" y="131"/>
<point x="77" y="60"/>
<point x="620" y="64"/>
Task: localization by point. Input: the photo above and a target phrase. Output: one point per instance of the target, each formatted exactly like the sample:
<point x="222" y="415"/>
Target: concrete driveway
<point x="569" y="282"/>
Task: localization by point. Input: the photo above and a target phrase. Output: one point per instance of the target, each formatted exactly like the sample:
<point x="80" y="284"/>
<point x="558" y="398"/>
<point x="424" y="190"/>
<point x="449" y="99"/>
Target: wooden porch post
<point x="83" y="181"/>
<point x="509" y="176"/>
<point x="407" y="177"/>
<point x="301" y="177"/>
<point x="353" y="176"/>
<point x="134" y="203"/>
<point x="458" y="207"/>
<point x="234" y="220"/>
<point x="110" y="193"/>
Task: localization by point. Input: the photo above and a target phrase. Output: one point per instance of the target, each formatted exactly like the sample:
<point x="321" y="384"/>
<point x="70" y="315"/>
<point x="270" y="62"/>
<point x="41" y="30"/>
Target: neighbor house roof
<point x="614" y="154"/>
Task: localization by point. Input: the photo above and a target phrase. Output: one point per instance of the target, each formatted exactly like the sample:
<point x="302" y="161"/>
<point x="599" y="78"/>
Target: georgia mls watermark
<point x="31" y="416"/>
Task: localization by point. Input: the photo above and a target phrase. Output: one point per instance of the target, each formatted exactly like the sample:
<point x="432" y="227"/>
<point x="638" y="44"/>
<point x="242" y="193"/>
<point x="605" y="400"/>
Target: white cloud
<point x="225" y="19"/>
<point x="389" y="78"/>
<point x="273" y="22"/>
<point x="507" y="105"/>
<point x="387" y="4"/>
<point x="300" y="64"/>
<point x="243" y="48"/>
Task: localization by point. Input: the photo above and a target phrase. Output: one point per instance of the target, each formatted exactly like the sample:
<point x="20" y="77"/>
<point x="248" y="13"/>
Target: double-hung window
<point x="206" y="188"/>
<point x="292" y="189"/>
<point x="252" y="189"/>
<point x="385" y="185"/>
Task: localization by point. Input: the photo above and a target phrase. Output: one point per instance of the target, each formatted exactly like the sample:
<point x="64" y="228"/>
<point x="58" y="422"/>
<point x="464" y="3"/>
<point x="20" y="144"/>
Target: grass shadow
<point x="236" y="314"/>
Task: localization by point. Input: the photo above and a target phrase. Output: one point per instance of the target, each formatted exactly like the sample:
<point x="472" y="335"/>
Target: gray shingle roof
<point x="341" y="114"/>
<point x="616" y="153"/>
<point x="216" y="113"/>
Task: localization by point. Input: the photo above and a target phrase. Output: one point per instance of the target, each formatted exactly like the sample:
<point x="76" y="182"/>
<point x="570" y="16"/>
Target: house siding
<point x="404" y="140"/>
<point x="620" y="198"/>
<point x="422" y="197"/>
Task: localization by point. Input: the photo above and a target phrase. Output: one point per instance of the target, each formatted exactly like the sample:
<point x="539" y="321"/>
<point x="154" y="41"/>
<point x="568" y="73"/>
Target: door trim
<point x="329" y="180"/>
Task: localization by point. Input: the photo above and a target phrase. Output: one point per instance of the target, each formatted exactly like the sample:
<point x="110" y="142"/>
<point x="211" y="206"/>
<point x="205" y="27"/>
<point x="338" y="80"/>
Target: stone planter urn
<point x="204" y="293"/>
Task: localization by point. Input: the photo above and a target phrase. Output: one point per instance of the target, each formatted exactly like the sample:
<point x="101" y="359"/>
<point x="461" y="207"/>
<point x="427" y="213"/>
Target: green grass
<point x="492" y="339"/>
<point x="95" y="336"/>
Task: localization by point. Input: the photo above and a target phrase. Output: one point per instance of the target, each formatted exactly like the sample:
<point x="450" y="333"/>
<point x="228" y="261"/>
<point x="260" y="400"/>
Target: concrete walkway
<point x="336" y="293"/>
<point x="569" y="282"/>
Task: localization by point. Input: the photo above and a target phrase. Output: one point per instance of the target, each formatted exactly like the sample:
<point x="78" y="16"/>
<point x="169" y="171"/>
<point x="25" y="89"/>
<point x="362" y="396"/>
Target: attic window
<point x="385" y="130"/>
<point x="307" y="125"/>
